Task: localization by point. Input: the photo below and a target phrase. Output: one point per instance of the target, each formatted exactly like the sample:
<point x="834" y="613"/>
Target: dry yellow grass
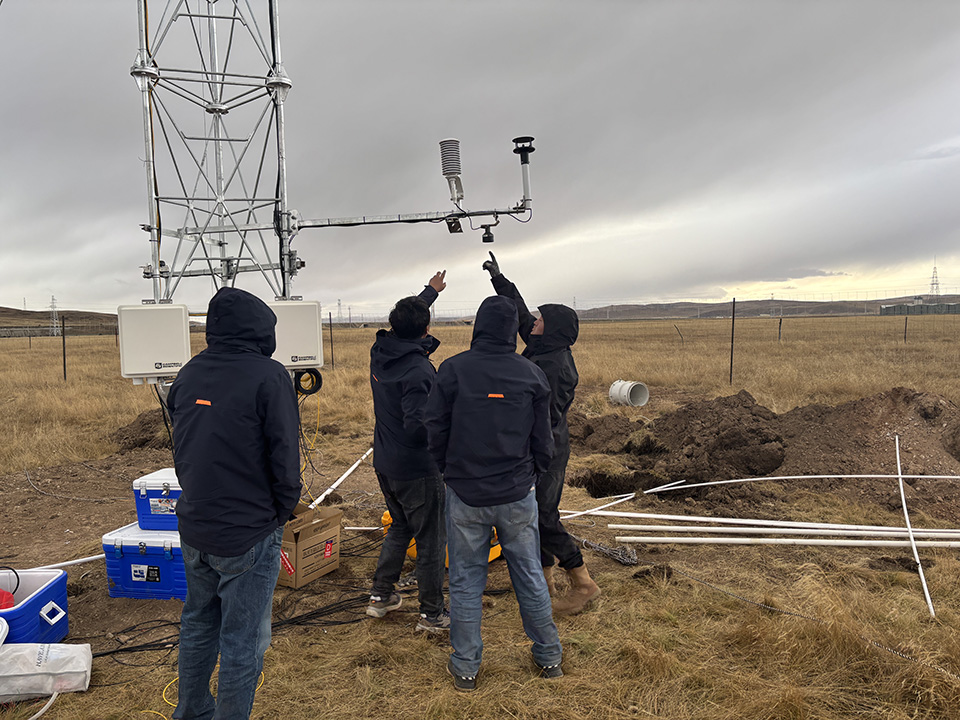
<point x="652" y="648"/>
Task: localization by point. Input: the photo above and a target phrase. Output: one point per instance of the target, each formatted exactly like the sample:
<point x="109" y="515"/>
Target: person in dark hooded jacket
<point x="488" y="423"/>
<point x="401" y="376"/>
<point x="548" y="340"/>
<point x="237" y="459"/>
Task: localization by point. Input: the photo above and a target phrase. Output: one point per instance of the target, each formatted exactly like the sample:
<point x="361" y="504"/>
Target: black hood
<point x="389" y="349"/>
<point x="561" y="326"/>
<point x="239" y="321"/>
<point x="496" y="324"/>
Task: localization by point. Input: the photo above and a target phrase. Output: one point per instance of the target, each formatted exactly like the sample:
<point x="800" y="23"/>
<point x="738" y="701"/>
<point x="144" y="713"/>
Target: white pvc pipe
<point x="757" y="522"/>
<point x="675" y="486"/>
<point x="780" y="531"/>
<point x="913" y="543"/>
<point x="364" y="529"/>
<point x="619" y="499"/>
<point x="101" y="556"/>
<point x="784" y="541"/>
<point x="340" y="479"/>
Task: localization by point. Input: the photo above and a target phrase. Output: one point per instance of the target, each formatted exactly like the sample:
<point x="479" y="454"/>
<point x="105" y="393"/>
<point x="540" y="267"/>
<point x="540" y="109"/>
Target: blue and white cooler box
<point x="156" y="496"/>
<point x="39" y="613"/>
<point x="144" y="563"/>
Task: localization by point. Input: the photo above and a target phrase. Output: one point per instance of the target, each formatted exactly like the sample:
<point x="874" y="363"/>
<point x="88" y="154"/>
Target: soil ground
<point x="54" y="514"/>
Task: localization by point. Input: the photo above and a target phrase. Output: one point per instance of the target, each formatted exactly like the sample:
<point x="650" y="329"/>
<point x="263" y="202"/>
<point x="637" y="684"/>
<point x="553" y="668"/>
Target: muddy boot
<point x="582" y="590"/>
<point x="548" y="576"/>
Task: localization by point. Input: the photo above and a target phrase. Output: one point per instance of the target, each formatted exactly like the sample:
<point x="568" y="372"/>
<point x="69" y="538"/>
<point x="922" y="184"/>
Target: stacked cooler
<point x="144" y="559"/>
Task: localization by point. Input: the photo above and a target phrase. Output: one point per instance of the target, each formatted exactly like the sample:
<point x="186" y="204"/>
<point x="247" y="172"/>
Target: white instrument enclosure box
<point x="299" y="338"/>
<point x="154" y="340"/>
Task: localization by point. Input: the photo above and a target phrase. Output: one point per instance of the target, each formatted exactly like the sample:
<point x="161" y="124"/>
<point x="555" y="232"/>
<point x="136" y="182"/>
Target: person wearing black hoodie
<point x="488" y="423"/>
<point x="548" y="340"/>
<point x="401" y="376"/>
<point x="237" y="459"/>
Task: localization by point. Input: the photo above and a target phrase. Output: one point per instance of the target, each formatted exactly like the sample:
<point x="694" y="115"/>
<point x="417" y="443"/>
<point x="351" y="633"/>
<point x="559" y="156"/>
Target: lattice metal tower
<point x="54" y="317"/>
<point x="213" y="88"/>
<point x="935" y="282"/>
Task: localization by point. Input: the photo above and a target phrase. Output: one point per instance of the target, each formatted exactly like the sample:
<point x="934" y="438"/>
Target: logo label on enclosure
<point x="303" y="358"/>
<point x="162" y="365"/>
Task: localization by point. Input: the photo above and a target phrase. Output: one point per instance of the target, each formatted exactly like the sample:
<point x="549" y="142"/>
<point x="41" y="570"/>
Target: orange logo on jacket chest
<point x="203" y="402"/>
<point x="495" y="395"/>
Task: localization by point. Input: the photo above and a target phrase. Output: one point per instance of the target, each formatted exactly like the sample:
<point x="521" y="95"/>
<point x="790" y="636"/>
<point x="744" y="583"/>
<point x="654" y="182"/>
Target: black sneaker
<point x="380" y="606"/>
<point x="463" y="683"/>
<point x="437" y="626"/>
<point x="551" y="672"/>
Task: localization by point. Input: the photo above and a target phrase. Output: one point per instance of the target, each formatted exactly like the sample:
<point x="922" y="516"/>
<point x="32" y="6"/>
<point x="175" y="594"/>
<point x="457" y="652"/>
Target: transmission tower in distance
<point x="54" y="318"/>
<point x="935" y="282"/>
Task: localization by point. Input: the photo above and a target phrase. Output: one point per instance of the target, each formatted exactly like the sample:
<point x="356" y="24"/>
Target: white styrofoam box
<point x="39" y="614"/>
<point x="299" y="338"/>
<point x="156" y="496"/>
<point x="145" y="564"/>
<point x="154" y="340"/>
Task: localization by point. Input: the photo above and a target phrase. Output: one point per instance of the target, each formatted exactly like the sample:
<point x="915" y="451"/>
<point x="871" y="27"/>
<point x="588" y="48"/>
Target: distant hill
<point x="17" y="322"/>
<point x="750" y="308"/>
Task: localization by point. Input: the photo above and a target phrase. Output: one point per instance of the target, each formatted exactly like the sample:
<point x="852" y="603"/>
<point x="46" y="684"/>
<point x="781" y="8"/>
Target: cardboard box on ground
<point x="311" y="545"/>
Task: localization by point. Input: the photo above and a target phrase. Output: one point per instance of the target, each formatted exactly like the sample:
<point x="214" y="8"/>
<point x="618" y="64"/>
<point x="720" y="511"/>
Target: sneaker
<point x="380" y="606"/>
<point x="551" y="672"/>
<point x="438" y="625"/>
<point x="463" y="683"/>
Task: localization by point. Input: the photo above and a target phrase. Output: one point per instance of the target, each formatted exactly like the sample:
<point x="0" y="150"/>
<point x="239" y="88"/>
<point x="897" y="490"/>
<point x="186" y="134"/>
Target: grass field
<point x="709" y="643"/>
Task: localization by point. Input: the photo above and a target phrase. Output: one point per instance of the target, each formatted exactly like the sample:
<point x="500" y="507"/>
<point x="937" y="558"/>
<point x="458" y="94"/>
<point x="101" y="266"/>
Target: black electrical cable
<point x="16" y="575"/>
<point x="163" y="412"/>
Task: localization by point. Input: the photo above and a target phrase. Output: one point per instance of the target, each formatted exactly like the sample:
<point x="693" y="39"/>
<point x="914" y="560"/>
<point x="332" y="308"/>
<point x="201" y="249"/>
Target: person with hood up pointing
<point x="548" y="340"/>
<point x="488" y="423"/>
<point x="237" y="458"/>
<point x="401" y="376"/>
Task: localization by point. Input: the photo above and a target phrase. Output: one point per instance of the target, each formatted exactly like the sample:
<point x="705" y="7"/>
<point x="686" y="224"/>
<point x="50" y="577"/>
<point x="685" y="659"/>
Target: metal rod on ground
<point x="363" y="529"/>
<point x="101" y="556"/>
<point x="754" y="522"/>
<point x="784" y="541"/>
<point x="932" y="534"/>
<point x="340" y="479"/>
<point x="678" y="486"/>
<point x="619" y="499"/>
<point x="913" y="543"/>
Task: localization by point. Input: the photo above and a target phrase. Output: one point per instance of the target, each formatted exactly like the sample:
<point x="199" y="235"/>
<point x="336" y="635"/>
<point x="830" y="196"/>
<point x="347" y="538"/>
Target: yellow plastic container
<point x="386" y="521"/>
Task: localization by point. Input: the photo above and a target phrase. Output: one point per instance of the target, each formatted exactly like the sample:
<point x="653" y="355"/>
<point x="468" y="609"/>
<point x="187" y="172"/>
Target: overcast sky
<point x="684" y="150"/>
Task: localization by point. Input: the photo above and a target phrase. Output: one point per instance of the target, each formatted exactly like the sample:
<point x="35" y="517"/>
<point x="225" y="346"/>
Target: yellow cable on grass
<point x="172" y="704"/>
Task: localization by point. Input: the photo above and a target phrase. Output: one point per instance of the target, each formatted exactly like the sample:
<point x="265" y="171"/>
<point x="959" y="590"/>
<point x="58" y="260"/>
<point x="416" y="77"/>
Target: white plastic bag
<point x="29" y="670"/>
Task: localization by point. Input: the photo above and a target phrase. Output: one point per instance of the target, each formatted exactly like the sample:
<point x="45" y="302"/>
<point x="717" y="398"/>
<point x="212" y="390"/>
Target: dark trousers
<point x="555" y="541"/>
<point x="416" y="507"/>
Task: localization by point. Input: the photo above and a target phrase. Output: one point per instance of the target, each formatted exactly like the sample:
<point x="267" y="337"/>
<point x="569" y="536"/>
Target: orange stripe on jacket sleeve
<point x="495" y="395"/>
<point x="203" y="402"/>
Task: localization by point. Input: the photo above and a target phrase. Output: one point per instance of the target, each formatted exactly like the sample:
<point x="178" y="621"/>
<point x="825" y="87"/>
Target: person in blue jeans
<point x="401" y="376"/>
<point x="236" y="454"/>
<point x="488" y="424"/>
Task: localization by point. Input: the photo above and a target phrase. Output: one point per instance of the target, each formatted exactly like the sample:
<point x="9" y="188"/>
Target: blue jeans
<point x="416" y="510"/>
<point x="228" y="612"/>
<point x="468" y="544"/>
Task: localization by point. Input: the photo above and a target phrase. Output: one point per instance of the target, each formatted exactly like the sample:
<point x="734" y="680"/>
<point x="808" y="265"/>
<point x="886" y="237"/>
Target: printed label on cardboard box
<point x="328" y="549"/>
<point x="285" y="561"/>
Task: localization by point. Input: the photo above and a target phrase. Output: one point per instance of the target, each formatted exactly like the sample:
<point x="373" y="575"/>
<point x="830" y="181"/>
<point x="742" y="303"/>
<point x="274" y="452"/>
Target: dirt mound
<point x="735" y="437"/>
<point x="147" y="431"/>
<point x="719" y="439"/>
<point x="605" y="434"/>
